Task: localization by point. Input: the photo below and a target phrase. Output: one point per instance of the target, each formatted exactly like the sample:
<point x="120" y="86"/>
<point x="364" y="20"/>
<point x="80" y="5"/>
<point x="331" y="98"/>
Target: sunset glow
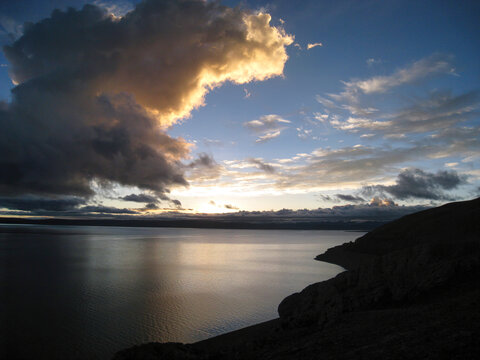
<point x="180" y="105"/>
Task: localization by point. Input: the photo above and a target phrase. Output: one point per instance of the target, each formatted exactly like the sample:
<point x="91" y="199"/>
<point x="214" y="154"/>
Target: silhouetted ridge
<point x="447" y="223"/>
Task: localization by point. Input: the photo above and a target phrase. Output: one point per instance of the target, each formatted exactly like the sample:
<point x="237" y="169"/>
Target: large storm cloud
<point x="95" y="94"/>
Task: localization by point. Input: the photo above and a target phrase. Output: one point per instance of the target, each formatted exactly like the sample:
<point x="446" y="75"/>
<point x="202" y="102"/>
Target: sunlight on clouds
<point x="111" y="100"/>
<point x="173" y="56"/>
<point x="311" y="46"/>
<point x="260" y="56"/>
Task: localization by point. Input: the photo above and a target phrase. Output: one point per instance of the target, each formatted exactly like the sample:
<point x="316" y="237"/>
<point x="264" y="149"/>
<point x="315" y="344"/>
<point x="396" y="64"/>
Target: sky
<point x="141" y="108"/>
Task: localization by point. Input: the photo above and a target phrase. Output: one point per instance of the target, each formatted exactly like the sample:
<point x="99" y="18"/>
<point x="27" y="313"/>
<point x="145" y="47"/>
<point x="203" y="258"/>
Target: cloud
<point x="311" y="46"/>
<point x="378" y="201"/>
<point x="262" y="166"/>
<point x="348" y="167"/>
<point x="376" y="210"/>
<point x="203" y="168"/>
<point x="43" y="206"/>
<point x="100" y="209"/>
<point x="352" y="98"/>
<point x="177" y="203"/>
<point x="419" y="184"/>
<point x="10" y="29"/>
<point x="96" y="92"/>
<point x="73" y="140"/>
<point x="203" y="160"/>
<point x="151" y="206"/>
<point x="142" y="198"/>
<point x="434" y="64"/>
<point x="230" y="207"/>
<point x="267" y="127"/>
<point x="213" y="142"/>
<point x="440" y="110"/>
<point x="305" y="133"/>
<point x="373" y="61"/>
<point x="350" y="198"/>
<point x="354" y="109"/>
<point x="117" y="8"/>
<point x="168" y="53"/>
<point x="35" y="203"/>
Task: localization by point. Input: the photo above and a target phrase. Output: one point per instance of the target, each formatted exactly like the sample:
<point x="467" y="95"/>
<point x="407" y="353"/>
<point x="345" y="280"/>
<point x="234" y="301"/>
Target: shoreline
<point x="300" y="224"/>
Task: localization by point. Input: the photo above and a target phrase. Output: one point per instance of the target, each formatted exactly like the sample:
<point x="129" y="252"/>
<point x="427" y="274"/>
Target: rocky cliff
<point x="412" y="291"/>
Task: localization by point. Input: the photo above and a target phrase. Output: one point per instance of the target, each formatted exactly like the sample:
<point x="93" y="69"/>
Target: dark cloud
<point x="151" y="206"/>
<point x="142" y="198"/>
<point x="34" y="203"/>
<point x="69" y="206"/>
<point x="204" y="168"/>
<point x="64" y="149"/>
<point x="106" y="210"/>
<point x="325" y="197"/>
<point x="262" y="166"/>
<point x="230" y="207"/>
<point x="376" y="210"/>
<point x="203" y="160"/>
<point x="176" y="202"/>
<point x="418" y="184"/>
<point x="96" y="93"/>
<point x="350" y="198"/>
<point x="151" y="200"/>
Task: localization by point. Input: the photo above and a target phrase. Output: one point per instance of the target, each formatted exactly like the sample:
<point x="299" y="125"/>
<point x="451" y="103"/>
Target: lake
<point x="71" y="292"/>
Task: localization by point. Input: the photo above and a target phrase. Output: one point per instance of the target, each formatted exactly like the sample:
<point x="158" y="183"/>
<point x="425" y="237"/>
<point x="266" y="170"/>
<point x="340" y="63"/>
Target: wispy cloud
<point x="267" y="127"/>
<point x="352" y="110"/>
<point x="373" y="61"/>
<point x="438" y="111"/>
<point x="349" y="167"/>
<point x="117" y="8"/>
<point x="349" y="198"/>
<point x="434" y="64"/>
<point x="262" y="165"/>
<point x="350" y="98"/>
<point x="313" y="45"/>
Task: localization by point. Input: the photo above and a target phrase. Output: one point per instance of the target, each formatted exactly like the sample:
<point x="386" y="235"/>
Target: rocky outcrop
<point x="411" y="291"/>
<point x="396" y="263"/>
<point x="395" y="278"/>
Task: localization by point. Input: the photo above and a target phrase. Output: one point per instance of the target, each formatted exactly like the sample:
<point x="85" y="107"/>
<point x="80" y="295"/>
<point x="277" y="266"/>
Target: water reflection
<point x="85" y="292"/>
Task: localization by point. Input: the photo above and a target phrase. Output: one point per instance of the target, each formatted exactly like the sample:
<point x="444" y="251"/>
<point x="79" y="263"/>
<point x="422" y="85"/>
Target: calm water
<point x="85" y="292"/>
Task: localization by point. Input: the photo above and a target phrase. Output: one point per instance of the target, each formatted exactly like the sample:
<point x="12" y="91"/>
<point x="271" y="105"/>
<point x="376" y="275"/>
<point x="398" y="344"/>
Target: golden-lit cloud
<point x="97" y="100"/>
<point x="168" y="54"/>
<point x="311" y="46"/>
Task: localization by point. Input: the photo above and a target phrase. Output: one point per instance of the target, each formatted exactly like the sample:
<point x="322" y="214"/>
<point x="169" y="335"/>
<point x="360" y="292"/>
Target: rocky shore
<point x="411" y="291"/>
